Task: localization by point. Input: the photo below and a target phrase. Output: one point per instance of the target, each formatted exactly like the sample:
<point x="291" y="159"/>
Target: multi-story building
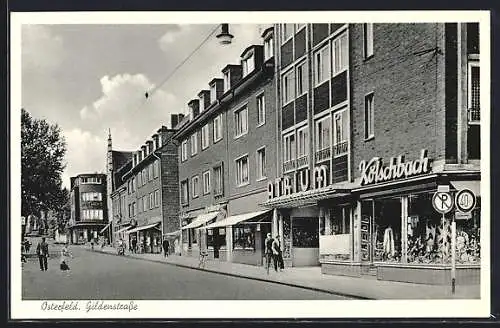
<point x="89" y="214"/>
<point x="145" y="195"/>
<point x="227" y="154"/>
<point x="372" y="118"/>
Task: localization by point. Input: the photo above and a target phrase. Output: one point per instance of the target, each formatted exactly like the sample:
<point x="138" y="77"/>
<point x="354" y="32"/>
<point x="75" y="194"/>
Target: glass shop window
<point x="305" y="232"/>
<point x="386" y="233"/>
<point x="244" y="237"/>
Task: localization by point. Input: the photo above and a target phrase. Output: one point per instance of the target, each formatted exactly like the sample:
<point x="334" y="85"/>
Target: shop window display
<point x="305" y="232"/>
<point x="335" y="234"/>
<point x="244" y="237"/>
<point x="213" y="237"/>
<point x="429" y="238"/>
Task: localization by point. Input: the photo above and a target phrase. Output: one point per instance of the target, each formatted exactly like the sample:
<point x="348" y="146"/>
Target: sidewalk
<point x="312" y="279"/>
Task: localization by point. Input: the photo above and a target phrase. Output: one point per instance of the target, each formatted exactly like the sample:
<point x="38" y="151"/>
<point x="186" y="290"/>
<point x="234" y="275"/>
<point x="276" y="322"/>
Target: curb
<point x="240" y="276"/>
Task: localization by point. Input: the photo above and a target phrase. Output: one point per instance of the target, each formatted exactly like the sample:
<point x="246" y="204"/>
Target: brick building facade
<point x="145" y="195"/>
<point x="227" y="154"/>
<point x="372" y="118"/>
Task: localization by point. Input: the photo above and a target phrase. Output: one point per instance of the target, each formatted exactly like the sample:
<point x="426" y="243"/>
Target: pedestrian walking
<point x="27" y="245"/>
<point x="92" y="243"/>
<point x="65" y="255"/>
<point x="277" y="254"/>
<point x="134" y="245"/>
<point x="269" y="251"/>
<point x="166" y="246"/>
<point x="42" y="250"/>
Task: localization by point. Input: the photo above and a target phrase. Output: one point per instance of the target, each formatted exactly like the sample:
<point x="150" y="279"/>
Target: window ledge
<point x="261" y="124"/>
<point x="261" y="179"/>
<point x="368" y="58"/>
<point x="240" y="135"/>
<point x="216" y="141"/>
<point x="243" y="184"/>
<point x="370" y="138"/>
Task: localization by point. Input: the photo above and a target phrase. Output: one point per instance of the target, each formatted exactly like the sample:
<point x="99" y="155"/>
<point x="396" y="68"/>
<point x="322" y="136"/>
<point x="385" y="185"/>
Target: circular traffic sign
<point x="465" y="200"/>
<point x="442" y="202"/>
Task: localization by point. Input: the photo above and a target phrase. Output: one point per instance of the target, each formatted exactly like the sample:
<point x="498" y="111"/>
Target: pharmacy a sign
<point x="374" y="171"/>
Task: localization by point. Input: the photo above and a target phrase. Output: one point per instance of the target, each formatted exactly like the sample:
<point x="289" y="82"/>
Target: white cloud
<point x="86" y="153"/>
<point x="41" y="49"/>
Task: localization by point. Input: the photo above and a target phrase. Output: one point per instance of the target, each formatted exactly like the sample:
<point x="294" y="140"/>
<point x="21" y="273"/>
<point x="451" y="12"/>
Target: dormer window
<point x="227" y="80"/>
<point x="213" y="93"/>
<point x="268" y="48"/>
<point x="202" y="104"/>
<point x="248" y="63"/>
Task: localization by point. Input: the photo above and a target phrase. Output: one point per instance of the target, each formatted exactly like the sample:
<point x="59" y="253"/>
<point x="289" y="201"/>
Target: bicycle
<point x="203" y="259"/>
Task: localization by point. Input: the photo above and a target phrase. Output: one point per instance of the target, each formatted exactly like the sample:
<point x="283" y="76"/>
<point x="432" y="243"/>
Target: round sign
<point x="442" y="202"/>
<point x="465" y="200"/>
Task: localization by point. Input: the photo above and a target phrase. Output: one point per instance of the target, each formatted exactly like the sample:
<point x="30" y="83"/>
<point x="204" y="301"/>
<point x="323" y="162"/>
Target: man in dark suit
<point x="42" y="250"/>
<point x="166" y="245"/>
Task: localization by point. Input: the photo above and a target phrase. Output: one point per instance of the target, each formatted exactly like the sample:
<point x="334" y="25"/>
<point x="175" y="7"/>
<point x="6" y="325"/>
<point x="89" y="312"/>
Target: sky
<point x="92" y="78"/>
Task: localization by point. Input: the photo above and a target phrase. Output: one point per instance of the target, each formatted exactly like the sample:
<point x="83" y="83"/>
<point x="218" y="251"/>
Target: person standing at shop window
<point x="269" y="250"/>
<point x="277" y="254"/>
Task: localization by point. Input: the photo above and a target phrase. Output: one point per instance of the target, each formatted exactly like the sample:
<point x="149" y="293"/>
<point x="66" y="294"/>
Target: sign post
<point x="443" y="203"/>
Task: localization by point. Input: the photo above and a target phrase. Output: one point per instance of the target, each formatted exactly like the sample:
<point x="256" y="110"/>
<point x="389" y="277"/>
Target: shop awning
<point x="173" y="233"/>
<point x="235" y="219"/>
<point x="123" y="229"/>
<point x="105" y="228"/>
<point x="144" y="227"/>
<point x="474" y="186"/>
<point x="308" y="197"/>
<point x="201" y="219"/>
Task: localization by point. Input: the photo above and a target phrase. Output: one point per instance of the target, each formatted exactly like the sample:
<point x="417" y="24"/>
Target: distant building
<point x="144" y="196"/>
<point x="89" y="215"/>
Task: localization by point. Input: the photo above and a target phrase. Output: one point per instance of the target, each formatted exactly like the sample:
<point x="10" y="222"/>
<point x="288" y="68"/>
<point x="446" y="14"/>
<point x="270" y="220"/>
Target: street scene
<point x="279" y="161"/>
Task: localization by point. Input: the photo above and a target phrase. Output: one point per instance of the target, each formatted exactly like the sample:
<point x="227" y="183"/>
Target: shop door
<point x="216" y="243"/>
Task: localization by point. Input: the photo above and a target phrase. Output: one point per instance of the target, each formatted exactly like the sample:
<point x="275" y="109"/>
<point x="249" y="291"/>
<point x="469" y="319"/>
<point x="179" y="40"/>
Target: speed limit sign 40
<point x="465" y="200"/>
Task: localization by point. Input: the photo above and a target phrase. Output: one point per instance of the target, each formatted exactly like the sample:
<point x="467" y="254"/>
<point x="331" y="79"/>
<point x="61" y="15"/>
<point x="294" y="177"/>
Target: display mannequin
<point x="388" y="242"/>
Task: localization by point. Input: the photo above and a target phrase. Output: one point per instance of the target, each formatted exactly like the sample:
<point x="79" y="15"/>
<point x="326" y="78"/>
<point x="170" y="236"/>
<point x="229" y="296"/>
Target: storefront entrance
<point x="305" y="241"/>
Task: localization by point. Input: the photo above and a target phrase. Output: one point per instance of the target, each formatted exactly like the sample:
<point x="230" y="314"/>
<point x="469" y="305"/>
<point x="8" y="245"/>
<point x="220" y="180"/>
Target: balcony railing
<point x="340" y="148"/>
<point x="323" y="154"/>
<point x="289" y="165"/>
<point x="302" y="161"/>
<point x="474" y="115"/>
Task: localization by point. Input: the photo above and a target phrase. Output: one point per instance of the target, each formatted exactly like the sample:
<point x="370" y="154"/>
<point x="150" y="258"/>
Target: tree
<point x="42" y="162"/>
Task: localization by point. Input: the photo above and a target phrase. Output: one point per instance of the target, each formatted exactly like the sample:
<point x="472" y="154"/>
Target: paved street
<point x="103" y="276"/>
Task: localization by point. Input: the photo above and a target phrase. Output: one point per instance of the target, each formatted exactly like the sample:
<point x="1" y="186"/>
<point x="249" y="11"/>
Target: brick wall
<point x="169" y="172"/>
<point x="407" y="92"/>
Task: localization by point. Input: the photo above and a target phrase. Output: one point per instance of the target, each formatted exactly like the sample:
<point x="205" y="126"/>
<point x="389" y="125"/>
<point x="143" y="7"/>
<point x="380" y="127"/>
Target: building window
<point x="157" y="198"/>
<point x="289" y="152"/>
<point x="261" y="163"/>
<point x="473" y="92"/>
<point x="321" y="65"/>
<point x="213" y="94"/>
<point x="134" y="208"/>
<point x="340" y="133"/>
<point x="323" y="128"/>
<point x="194" y="144"/>
<point x="301" y="78"/>
<point x="261" y="110"/>
<point x="156" y="169"/>
<point x="369" y="116"/>
<point x="302" y="146"/>
<point x="195" y="186"/>
<point x="205" y="141"/>
<point x="90" y="180"/>
<point x="184" y="192"/>
<point x="202" y="104"/>
<point x="139" y="179"/>
<point x="92" y="215"/>
<point x="92" y="196"/>
<point x="129" y="210"/>
<point x="268" y="48"/>
<point x="288" y="87"/>
<point x="150" y="172"/>
<point x="368" y="39"/>
<point x="286" y="31"/>
<point x="244" y="237"/>
<point x="227" y="80"/>
<point x="248" y="64"/>
<point x="242" y="171"/>
<point x="134" y="186"/>
<point x="218" y="181"/>
<point x="144" y="176"/>
<point x="184" y="147"/>
<point x="129" y="186"/>
<point x="151" y="200"/>
<point x="206" y="182"/>
<point x="340" y="54"/>
<point x="241" y="121"/>
<point x="218" y="128"/>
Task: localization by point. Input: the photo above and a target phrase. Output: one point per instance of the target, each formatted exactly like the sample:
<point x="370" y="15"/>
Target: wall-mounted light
<point x="224" y="36"/>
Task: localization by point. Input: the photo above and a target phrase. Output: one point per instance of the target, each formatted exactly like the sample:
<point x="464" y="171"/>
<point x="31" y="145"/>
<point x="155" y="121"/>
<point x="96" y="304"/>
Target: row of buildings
<point x="332" y="136"/>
